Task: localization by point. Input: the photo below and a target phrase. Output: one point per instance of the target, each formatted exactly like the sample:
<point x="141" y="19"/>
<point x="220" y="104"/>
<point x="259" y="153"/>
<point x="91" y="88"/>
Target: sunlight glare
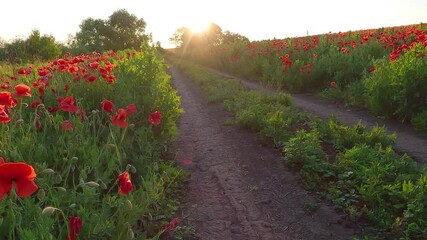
<point x="198" y="25"/>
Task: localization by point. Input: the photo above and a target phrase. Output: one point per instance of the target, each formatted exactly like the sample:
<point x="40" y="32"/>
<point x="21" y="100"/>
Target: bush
<point x="399" y="88"/>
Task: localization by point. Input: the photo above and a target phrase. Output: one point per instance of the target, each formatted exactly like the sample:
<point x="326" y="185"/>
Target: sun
<point x="197" y="26"/>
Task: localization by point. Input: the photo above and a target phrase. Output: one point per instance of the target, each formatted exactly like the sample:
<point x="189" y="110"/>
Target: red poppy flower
<point x="7" y="100"/>
<point x="125" y="184"/>
<point x="67" y="126"/>
<point x="93" y="65"/>
<point x="130" y="109"/>
<point x="155" y="118"/>
<point x="25" y="71"/>
<point x="5" y="85"/>
<point x="75" y="227"/>
<point x="42" y="72"/>
<point x="22" y="71"/>
<point x="35" y="103"/>
<point x="73" y="69"/>
<point x="4" y="116"/>
<point x="107" y="106"/>
<point x="19" y="174"/>
<point x="68" y="104"/>
<point x="91" y="78"/>
<point x="333" y="84"/>
<point x="371" y="69"/>
<point x="120" y="119"/>
<point x="110" y="79"/>
<point x="52" y="109"/>
<point x="22" y="90"/>
<point x="41" y="91"/>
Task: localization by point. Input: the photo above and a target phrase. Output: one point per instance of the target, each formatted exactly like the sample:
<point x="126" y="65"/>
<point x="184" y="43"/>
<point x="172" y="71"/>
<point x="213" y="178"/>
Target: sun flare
<point x="198" y="26"/>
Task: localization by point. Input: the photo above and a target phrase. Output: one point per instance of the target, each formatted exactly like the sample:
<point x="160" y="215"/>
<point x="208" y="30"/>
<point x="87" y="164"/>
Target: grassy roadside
<point x="353" y="167"/>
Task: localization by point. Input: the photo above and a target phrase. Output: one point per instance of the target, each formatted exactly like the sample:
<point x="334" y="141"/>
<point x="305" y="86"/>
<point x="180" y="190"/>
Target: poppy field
<point x="82" y="141"/>
<point x="380" y="69"/>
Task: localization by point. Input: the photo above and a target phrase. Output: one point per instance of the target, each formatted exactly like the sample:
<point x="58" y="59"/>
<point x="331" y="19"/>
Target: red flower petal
<point x="25" y="187"/>
<point x="5" y="187"/>
<point x="120" y="119"/>
<point x="22" y="90"/>
<point x="130" y="109"/>
<point x="155" y="118"/>
<point x="22" y="174"/>
<point x="125" y="184"/>
<point x="107" y="106"/>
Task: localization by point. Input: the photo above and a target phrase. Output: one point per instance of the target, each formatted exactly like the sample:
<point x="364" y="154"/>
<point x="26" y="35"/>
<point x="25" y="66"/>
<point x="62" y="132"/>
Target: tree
<point x="2" y="49"/>
<point x="120" y="31"/>
<point x="229" y="37"/>
<point x="91" y="36"/>
<point x="213" y="36"/>
<point x="177" y="38"/>
<point x="35" y="47"/>
<point x="41" y="47"/>
<point x="125" y="31"/>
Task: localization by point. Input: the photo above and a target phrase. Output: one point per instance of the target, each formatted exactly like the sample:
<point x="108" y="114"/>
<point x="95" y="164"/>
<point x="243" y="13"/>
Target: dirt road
<point x="239" y="189"/>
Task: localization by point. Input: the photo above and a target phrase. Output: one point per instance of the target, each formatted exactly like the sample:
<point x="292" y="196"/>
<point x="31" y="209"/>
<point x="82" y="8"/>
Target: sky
<point x="257" y="20"/>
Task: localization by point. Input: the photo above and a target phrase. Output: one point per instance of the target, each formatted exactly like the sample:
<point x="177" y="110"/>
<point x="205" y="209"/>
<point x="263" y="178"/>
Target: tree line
<point x="122" y="30"/>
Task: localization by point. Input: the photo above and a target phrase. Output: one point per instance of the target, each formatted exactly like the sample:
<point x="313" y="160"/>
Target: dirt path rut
<point x="239" y="189"/>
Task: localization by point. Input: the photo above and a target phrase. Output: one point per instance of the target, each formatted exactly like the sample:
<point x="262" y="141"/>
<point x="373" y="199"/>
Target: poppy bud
<point x="48" y="211"/>
<point x="61" y="189"/>
<point x="58" y="179"/>
<point x="47" y="171"/>
<point x="73" y="205"/>
<point x="41" y="194"/>
<point x="19" y="121"/>
<point x="128" y="206"/>
<point x="131" y="234"/>
<point x="92" y="184"/>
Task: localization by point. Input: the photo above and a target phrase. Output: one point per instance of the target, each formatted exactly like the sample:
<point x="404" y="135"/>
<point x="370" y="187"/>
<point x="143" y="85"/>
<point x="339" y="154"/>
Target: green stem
<point x="123" y="136"/>
<point x="12" y="217"/>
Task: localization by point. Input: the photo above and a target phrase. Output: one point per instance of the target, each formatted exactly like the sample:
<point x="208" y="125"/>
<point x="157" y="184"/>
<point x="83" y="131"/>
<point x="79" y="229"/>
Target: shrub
<point x="399" y="88"/>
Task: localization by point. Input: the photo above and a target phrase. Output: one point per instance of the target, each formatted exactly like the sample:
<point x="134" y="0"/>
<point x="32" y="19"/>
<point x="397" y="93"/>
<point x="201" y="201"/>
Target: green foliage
<point x="345" y="137"/>
<point x="303" y="148"/>
<point x="378" y="179"/>
<point x="34" y="48"/>
<point x="399" y="88"/>
<point x="120" y="31"/>
<point x="420" y="121"/>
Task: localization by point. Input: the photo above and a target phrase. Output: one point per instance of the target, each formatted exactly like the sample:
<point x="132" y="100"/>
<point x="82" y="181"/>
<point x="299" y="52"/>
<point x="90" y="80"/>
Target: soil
<point x="240" y="189"/>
